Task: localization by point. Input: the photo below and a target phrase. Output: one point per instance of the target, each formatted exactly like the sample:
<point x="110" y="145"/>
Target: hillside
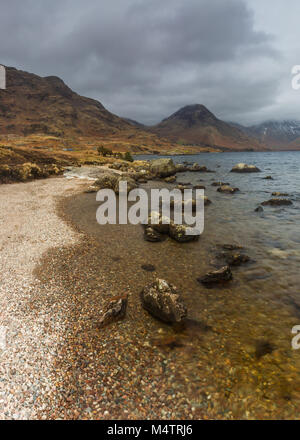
<point x="46" y="107"/>
<point x="196" y="125"/>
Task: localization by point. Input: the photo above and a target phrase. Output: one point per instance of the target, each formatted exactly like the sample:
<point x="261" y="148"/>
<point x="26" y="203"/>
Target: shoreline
<point x="33" y="326"/>
<point x="138" y="368"/>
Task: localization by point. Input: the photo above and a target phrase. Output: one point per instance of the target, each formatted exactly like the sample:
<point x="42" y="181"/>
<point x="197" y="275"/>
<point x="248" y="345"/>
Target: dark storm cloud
<point x="145" y="59"/>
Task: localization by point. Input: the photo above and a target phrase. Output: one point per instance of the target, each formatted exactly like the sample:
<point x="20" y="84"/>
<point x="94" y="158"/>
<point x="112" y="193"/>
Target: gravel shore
<point x="29" y="226"/>
<point x="58" y="270"/>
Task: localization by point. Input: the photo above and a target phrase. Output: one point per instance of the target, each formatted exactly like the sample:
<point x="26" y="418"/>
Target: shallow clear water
<point x="219" y="366"/>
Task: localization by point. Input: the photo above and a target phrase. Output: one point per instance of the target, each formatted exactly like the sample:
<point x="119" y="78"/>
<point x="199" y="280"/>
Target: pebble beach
<point x="59" y="268"/>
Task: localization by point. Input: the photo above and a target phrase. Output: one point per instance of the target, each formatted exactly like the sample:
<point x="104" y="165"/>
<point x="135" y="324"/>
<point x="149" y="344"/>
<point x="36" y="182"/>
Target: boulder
<point x="170" y="179"/>
<point x="159" y="222"/>
<point x="216" y="276"/>
<point x="151" y="235"/>
<point x="163" y="167"/>
<point x="179" y="233"/>
<point x="198" y="168"/>
<point x="244" y="168"/>
<point x="180" y="168"/>
<point x="91" y="189"/>
<point x="107" y="181"/>
<point x="227" y="189"/>
<point x="131" y="183"/>
<point x="114" y="311"/>
<point x="277" y="202"/>
<point x="163" y="301"/>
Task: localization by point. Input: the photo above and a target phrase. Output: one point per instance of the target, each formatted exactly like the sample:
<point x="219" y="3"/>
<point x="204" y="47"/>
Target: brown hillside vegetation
<point x="48" y="114"/>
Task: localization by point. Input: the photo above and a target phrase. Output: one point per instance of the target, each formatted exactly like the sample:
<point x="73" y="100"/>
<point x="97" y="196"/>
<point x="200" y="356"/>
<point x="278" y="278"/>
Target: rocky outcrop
<point x="227" y="189"/>
<point x="163" y="167"/>
<point x="163" y="301"/>
<point x="216" y="276"/>
<point x="277" y="202"/>
<point x="114" y="311"/>
<point x="244" y="168"/>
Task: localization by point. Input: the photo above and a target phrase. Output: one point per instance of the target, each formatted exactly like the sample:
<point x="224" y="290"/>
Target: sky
<point x="145" y="59"/>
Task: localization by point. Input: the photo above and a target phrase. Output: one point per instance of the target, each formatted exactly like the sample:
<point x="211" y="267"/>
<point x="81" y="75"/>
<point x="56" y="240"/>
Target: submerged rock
<point x="216" y="276"/>
<point x="231" y="247"/>
<point x="163" y="167"/>
<point x="163" y="301"/>
<point x="237" y="259"/>
<point x="277" y="202"/>
<point x="227" y="189"/>
<point x="262" y="348"/>
<point x="114" y="311"/>
<point x="148" y="267"/>
<point x="220" y="184"/>
<point x="244" y="168"/>
<point x="198" y="168"/>
<point x="259" y="209"/>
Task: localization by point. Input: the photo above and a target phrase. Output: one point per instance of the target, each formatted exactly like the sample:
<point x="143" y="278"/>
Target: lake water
<point x="235" y="359"/>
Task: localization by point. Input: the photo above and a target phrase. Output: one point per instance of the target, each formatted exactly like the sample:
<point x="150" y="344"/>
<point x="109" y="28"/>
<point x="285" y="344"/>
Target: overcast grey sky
<point x="145" y="59"/>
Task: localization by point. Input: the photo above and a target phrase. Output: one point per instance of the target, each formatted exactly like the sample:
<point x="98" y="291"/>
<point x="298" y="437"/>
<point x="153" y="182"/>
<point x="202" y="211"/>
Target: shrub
<point x="127" y="156"/>
<point x="104" y="151"/>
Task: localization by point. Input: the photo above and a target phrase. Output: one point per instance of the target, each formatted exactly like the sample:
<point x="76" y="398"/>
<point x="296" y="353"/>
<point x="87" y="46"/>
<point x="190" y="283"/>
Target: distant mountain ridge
<point x="275" y="134"/>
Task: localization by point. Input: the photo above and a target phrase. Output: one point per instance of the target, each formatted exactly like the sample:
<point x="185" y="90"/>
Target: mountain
<point x="276" y="134"/>
<point x="32" y="104"/>
<point x="196" y="125"/>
